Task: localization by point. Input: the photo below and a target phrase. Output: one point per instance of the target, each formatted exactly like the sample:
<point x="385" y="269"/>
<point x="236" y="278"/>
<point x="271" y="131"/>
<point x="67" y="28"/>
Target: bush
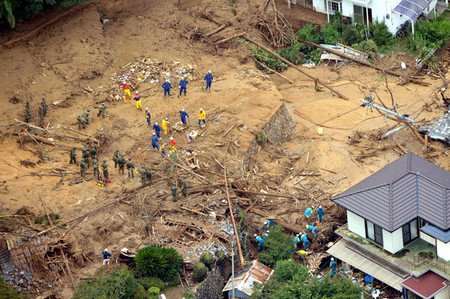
<point x="380" y="34"/>
<point x="157" y="261"/>
<point x="309" y="32"/>
<point x="353" y="34"/>
<point x="330" y="35"/>
<point x="367" y="46"/>
<point x="7" y="291"/>
<point x="43" y="219"/>
<point x="188" y="295"/>
<point x="220" y="256"/>
<point x="140" y="292"/>
<point x="207" y="259"/>
<point x="277" y="247"/>
<point x="268" y="59"/>
<point x="292" y="53"/>
<point x="200" y="272"/>
<point x="429" y="34"/>
<point x="153" y="293"/>
<point x="261" y="138"/>
<point x="120" y="284"/>
<point x="148" y="282"/>
<point x="287" y="270"/>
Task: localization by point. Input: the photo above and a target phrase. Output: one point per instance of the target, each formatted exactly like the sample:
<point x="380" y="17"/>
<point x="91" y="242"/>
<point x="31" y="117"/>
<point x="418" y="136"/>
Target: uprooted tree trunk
<point x="274" y="26"/>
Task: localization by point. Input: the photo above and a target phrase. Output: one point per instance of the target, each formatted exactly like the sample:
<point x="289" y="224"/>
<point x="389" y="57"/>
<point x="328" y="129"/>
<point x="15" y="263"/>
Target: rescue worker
<point x="93" y="153"/>
<point x="106" y="256"/>
<point x="173" y="190"/>
<point x="268" y="224"/>
<point x="155" y="141"/>
<point x="121" y="162"/>
<point x="116" y="157"/>
<point x="208" y="79"/>
<point x="163" y="151"/>
<point x="184" y="116"/>
<point x="44" y="107"/>
<point x="167" y="87"/>
<point x="86" y="156"/>
<point x="320" y="213"/>
<point x="82" y="168"/>
<point x="130" y="168"/>
<point x="137" y="99"/>
<point x="85" y="115"/>
<point x="297" y="242"/>
<point x="101" y="110"/>
<point x="332" y="267"/>
<point x="302" y="254"/>
<point x="165" y="125"/>
<point x="308" y="213"/>
<point x="126" y="90"/>
<point x="260" y="241"/>
<point x="73" y="156"/>
<point x="266" y="234"/>
<point x="184" y="188"/>
<point x="201" y="117"/>
<point x="148" y="116"/>
<point x="157" y="129"/>
<point x="105" y="170"/>
<point x="81" y="122"/>
<point x="41" y="116"/>
<point x="27" y="117"/>
<point x="183" y="85"/>
<point x="96" y="170"/>
<point x="305" y="241"/>
<point x="311" y="228"/>
<point x="172" y="143"/>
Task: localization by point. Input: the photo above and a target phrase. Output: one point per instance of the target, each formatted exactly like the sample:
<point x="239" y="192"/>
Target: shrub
<point x="353" y="34"/>
<point x="120" y="284"/>
<point x="200" y="272"/>
<point x="277" y="247"/>
<point x="7" y="291"/>
<point x="309" y="32"/>
<point x="380" y="34"/>
<point x="367" y="46"/>
<point x="220" y="256"/>
<point x="292" y="53"/>
<point x="287" y="270"/>
<point x="153" y="293"/>
<point x="157" y="261"/>
<point x="261" y="138"/>
<point x="140" y="292"/>
<point x="207" y="259"/>
<point x="268" y="59"/>
<point x="330" y="35"/>
<point x="43" y="219"/>
<point x="188" y="295"/>
<point x="148" y="282"/>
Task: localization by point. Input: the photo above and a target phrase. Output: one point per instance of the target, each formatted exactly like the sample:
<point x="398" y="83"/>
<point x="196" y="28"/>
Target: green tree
<point x="7" y="291"/>
<point x="200" y="272"/>
<point x="158" y="261"/>
<point x="207" y="259"/>
<point x="120" y="284"/>
<point x="277" y="247"/>
<point x="148" y="282"/>
<point x="380" y="34"/>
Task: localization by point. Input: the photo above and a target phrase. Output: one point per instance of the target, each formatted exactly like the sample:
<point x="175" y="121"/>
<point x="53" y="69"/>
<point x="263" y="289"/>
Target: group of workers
<point x="42" y="112"/>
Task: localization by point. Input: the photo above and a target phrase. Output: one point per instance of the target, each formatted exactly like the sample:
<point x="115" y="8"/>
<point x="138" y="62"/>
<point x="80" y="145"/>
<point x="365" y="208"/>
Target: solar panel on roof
<point x="412" y="8"/>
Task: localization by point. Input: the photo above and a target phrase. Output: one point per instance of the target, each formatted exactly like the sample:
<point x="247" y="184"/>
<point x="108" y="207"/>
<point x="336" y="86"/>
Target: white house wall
<point x="393" y="242"/>
<point x="427" y="238"/>
<point x="356" y="224"/>
<point x="444" y="294"/>
<point x="443" y="250"/>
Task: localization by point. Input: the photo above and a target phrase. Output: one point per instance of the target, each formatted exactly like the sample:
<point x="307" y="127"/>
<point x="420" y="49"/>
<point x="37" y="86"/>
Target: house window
<point x="358" y="14"/>
<point x="333" y="6"/>
<point x="374" y="232"/>
<point x="422" y="222"/>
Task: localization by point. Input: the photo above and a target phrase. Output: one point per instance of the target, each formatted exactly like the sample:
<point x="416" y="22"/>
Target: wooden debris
<point x="273" y="71"/>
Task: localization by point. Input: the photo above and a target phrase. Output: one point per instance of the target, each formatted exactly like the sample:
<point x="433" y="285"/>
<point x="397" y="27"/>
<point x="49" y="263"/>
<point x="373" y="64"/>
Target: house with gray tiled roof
<point x="398" y="226"/>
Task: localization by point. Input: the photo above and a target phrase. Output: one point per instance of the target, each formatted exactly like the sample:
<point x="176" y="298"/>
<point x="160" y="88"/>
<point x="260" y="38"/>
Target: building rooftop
<point x="405" y="189"/>
<point x="426" y="285"/>
<point x="417" y="258"/>
<point x="257" y="272"/>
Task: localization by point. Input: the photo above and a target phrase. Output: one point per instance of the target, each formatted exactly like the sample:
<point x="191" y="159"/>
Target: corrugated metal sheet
<point x="258" y="272"/>
<point x="438" y="129"/>
<point x="404" y="189"/>
<point x="344" y="251"/>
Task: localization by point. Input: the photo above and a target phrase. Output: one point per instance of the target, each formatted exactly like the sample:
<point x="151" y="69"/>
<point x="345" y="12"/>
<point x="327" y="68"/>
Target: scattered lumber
<point x="229" y="38"/>
<point x="316" y="80"/>
<point x="292" y="228"/>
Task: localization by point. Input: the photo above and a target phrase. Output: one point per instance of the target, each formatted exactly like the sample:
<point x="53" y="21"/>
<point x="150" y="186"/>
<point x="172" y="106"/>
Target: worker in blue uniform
<point x="297" y="242"/>
<point x="155" y="141"/>
<point x="157" y="129"/>
<point x="260" y="241"/>
<point x="208" y="79"/>
<point x="184" y="116"/>
<point x="320" y="213"/>
<point x="305" y="241"/>
<point x="332" y="267"/>
<point x="308" y="213"/>
<point x="183" y="86"/>
<point x="268" y="224"/>
<point x="311" y="228"/>
<point x="147" y="116"/>
<point x="167" y="87"/>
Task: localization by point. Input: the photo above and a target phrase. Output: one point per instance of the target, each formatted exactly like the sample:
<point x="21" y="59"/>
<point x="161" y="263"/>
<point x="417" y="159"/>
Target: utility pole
<point x="368" y="101"/>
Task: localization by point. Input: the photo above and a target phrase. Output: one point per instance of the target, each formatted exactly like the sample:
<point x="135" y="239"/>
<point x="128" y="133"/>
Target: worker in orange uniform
<point x="137" y="98"/>
<point x="172" y="143"/>
<point x="201" y="117"/>
<point x="126" y="91"/>
<point x="165" y="125"/>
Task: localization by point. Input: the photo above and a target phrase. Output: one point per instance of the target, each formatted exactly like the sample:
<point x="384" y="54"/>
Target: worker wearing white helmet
<point x="167" y="87"/>
<point x="106" y="256"/>
<point x="137" y="98"/>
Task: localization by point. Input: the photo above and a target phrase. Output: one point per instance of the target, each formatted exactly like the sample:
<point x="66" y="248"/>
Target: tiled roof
<point x="426" y="285"/>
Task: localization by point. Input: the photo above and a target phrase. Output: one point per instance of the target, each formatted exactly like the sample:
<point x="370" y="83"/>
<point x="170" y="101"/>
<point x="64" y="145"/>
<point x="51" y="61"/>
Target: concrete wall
<point x="393" y="242"/>
<point x="443" y="250"/>
<point x="444" y="294"/>
<point x="427" y="238"/>
<point x="356" y="224"/>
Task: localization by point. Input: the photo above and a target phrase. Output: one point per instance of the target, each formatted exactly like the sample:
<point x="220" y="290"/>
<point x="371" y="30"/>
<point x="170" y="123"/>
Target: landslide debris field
<point x="318" y="143"/>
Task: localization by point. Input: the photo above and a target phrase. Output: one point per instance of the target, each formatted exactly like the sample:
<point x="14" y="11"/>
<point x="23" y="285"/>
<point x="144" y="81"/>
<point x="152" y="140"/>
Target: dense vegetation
<point x="157" y="261"/>
<point x="291" y="280"/>
<point x="376" y="40"/>
<point x="277" y="247"/>
<point x="13" y="11"/>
